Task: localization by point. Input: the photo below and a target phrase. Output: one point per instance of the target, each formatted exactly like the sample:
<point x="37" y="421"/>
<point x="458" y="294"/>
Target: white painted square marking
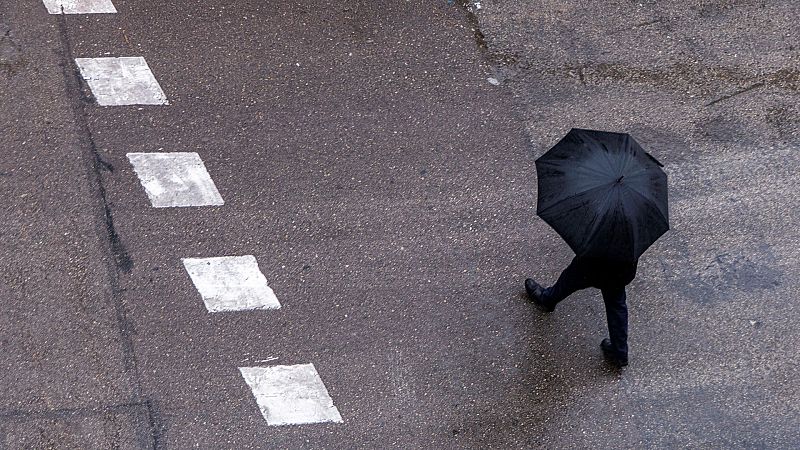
<point x="80" y="6"/>
<point x="121" y="81"/>
<point x="175" y="179"/>
<point x="231" y="283"/>
<point x="290" y="395"/>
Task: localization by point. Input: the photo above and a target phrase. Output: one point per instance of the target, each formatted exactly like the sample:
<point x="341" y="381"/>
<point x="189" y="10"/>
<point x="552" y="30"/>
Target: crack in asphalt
<point x="739" y="92"/>
<point x="122" y="262"/>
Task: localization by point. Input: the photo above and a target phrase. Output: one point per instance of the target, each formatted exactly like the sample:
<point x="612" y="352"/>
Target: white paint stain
<point x="80" y="6"/>
<point x="290" y="395"/>
<point x="121" y="81"/>
<point x="231" y="283"/>
<point x="175" y="179"/>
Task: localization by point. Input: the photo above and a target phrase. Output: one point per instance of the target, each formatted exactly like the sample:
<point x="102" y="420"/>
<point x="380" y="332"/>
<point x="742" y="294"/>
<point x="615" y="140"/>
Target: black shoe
<point x="535" y="292"/>
<point x="611" y="355"/>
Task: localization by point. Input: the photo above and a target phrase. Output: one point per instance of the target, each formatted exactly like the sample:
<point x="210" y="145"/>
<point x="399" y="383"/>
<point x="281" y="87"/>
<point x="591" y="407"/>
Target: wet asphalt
<point x="387" y="189"/>
<point x="710" y="89"/>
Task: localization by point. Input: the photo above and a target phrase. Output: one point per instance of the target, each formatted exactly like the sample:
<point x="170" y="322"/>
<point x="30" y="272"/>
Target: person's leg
<point x="617" y="316"/>
<point x="571" y="279"/>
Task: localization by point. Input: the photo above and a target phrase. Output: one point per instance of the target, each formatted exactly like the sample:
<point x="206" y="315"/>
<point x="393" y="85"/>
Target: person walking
<point x="607" y="198"/>
<point x="610" y="277"/>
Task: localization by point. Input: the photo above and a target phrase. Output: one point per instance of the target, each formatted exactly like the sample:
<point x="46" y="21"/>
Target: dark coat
<point x="604" y="273"/>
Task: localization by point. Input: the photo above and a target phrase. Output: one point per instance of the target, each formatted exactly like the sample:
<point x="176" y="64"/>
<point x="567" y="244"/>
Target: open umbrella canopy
<point x="603" y="194"/>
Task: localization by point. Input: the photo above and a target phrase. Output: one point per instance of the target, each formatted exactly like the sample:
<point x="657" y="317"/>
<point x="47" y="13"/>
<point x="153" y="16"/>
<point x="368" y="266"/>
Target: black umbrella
<point x="603" y="194"/>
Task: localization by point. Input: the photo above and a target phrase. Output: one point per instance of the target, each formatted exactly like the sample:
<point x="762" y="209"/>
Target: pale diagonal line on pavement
<point x="79" y="6"/>
<point x="175" y="179"/>
<point x="291" y="395"/>
<point x="121" y="81"/>
<point x="231" y="283"/>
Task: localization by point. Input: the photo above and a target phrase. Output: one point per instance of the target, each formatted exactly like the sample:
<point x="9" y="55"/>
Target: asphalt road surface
<point x="376" y="159"/>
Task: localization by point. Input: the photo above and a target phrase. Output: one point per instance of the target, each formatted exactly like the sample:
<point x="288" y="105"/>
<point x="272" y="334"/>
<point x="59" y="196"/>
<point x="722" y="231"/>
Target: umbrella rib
<point x="641" y="170"/>
<point x="592" y="170"/>
<point x="607" y="155"/>
<point x="593" y="149"/>
<point x="562" y="200"/>
<point x="647" y="199"/>
<point x="580" y="166"/>
<point x="599" y="221"/>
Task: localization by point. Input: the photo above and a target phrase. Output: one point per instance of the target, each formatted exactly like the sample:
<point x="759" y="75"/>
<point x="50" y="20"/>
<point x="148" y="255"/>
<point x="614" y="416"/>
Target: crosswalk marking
<point x="80" y="6"/>
<point x="231" y="283"/>
<point x="175" y="179"/>
<point x="290" y="395"/>
<point x="119" y="81"/>
<point x="285" y="394"/>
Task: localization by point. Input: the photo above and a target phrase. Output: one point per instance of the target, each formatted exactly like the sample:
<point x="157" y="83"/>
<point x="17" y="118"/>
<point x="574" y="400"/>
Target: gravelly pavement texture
<point x="387" y="189"/>
<point x="711" y="89"/>
<point x="62" y="358"/>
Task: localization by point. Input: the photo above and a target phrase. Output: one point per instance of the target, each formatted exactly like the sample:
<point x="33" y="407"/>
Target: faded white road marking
<point x="290" y="395"/>
<point x="121" y="81"/>
<point x="231" y="283"/>
<point x="80" y="6"/>
<point x="175" y="179"/>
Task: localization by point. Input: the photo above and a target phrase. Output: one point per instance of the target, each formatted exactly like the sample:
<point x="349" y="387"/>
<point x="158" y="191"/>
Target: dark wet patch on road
<point x="661" y="141"/>
<point x="472" y="18"/>
<point x="728" y="270"/>
<point x="12" y="60"/>
<point x="505" y="65"/>
<point x="785" y="120"/>
<point x="737" y="271"/>
<point x="725" y="128"/>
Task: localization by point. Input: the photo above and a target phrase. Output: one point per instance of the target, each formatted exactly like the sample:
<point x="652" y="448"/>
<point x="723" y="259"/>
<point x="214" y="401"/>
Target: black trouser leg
<point x="617" y="316"/>
<point x="571" y="279"/>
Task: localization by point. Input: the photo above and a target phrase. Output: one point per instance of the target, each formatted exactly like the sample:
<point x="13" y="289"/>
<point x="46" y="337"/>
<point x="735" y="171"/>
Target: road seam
<point x="122" y="262"/>
<point x="286" y="395"/>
